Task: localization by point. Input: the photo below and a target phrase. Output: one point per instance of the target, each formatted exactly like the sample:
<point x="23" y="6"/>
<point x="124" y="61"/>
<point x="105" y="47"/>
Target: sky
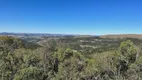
<point x="93" y="17"/>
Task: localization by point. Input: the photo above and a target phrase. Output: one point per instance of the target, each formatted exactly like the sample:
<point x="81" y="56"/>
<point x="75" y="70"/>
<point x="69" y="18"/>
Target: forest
<point x="70" y="58"/>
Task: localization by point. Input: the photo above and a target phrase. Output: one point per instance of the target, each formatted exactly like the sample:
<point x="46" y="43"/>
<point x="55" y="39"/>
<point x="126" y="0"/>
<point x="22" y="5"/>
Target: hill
<point x="138" y="36"/>
<point x="16" y="43"/>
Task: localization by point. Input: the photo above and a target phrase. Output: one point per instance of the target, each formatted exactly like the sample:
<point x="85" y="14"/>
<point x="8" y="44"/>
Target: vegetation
<point x="70" y="58"/>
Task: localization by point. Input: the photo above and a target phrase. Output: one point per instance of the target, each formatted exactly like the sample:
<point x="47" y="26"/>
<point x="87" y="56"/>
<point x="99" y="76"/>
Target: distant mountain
<point x="29" y="34"/>
<point x="138" y="36"/>
<point x="36" y="37"/>
<point x="39" y="35"/>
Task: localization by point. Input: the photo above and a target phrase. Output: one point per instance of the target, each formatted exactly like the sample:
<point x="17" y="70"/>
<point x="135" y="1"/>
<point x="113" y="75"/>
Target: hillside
<point x="16" y="43"/>
<point x="70" y="58"/>
<point x="138" y="36"/>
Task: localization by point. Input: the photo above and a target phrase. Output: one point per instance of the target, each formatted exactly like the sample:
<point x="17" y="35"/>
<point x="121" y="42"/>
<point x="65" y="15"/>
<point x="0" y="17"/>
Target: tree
<point x="71" y="67"/>
<point x="9" y="63"/>
<point x="128" y="53"/>
<point x="29" y="73"/>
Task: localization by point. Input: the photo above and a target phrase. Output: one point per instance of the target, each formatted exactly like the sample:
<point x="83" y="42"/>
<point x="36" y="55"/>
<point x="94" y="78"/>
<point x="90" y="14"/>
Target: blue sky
<point x="71" y="16"/>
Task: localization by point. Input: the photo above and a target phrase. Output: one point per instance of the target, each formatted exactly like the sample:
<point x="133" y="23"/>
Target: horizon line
<point x="72" y="34"/>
